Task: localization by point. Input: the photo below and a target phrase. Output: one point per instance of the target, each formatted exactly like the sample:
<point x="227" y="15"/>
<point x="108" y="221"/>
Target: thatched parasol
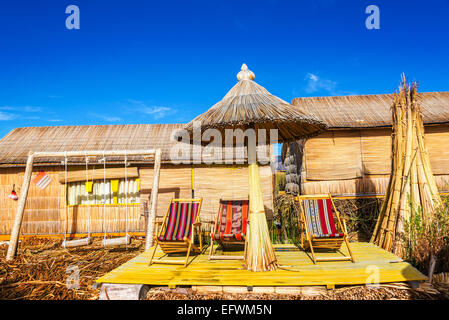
<point x="250" y="106"/>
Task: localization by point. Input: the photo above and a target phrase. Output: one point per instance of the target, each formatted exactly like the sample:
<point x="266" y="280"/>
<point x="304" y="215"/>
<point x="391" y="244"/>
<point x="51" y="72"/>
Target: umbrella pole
<point x="260" y="253"/>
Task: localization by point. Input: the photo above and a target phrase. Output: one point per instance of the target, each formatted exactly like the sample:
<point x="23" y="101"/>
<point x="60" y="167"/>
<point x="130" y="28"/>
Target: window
<point x="114" y="191"/>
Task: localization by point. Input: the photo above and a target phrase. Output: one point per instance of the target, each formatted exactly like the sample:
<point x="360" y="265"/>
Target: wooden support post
<point x="12" y="248"/>
<point x="154" y="195"/>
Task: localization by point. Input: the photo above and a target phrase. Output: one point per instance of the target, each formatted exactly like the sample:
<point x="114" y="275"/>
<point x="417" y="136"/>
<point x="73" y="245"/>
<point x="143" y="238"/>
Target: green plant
<point x="284" y="227"/>
<point x="361" y="216"/>
<point x="280" y="182"/>
<point x="426" y="239"/>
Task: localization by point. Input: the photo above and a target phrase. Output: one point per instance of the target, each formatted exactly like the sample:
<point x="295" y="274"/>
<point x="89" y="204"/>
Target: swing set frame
<point x="15" y="232"/>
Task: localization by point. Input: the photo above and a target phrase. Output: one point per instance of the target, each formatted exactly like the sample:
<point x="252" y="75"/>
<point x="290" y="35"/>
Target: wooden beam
<point x="92" y="153"/>
<point x="218" y="257"/>
<point x="111" y="173"/>
<point x="154" y="195"/>
<point x="12" y="248"/>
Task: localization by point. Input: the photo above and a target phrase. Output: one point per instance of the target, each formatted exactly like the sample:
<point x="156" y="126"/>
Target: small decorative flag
<point x="42" y="180"/>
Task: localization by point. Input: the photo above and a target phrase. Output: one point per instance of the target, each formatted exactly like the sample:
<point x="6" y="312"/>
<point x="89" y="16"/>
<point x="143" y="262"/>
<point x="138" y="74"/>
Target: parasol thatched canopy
<point x="249" y="105"/>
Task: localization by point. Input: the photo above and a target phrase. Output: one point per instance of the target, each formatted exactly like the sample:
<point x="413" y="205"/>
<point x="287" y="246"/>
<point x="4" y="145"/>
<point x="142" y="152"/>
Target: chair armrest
<point x="197" y="224"/>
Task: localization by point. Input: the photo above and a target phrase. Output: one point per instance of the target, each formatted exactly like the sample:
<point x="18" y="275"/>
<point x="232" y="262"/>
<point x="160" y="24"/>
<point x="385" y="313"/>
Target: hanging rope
<point x="65" y="197"/>
<point x="126" y="201"/>
<point x="87" y="194"/>
<point x="104" y="196"/>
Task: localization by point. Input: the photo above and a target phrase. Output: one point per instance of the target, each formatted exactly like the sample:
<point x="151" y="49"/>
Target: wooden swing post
<point x="12" y="247"/>
<point x="149" y="237"/>
<point x="15" y="232"/>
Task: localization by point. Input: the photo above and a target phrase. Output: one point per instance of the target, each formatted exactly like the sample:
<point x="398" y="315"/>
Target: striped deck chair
<point x="230" y="226"/>
<point x="176" y="233"/>
<point x="321" y="224"/>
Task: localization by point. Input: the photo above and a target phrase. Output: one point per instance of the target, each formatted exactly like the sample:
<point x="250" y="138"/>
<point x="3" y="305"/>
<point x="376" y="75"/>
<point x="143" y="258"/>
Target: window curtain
<point x="102" y="193"/>
<point x="127" y="192"/>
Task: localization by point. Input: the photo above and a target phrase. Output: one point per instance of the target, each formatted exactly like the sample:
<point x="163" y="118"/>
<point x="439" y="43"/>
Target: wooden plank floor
<point x="296" y="269"/>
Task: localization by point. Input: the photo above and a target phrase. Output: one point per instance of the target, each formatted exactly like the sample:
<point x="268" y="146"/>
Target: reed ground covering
<point x="40" y="273"/>
<point x="42" y="267"/>
<point x="395" y="291"/>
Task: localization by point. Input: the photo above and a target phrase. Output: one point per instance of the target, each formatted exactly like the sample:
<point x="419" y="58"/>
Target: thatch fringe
<point x="249" y="105"/>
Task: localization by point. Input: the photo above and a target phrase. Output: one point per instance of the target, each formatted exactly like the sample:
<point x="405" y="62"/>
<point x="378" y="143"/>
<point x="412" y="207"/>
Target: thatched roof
<point x="368" y="111"/>
<point x="14" y="147"/>
<point x="249" y="105"/>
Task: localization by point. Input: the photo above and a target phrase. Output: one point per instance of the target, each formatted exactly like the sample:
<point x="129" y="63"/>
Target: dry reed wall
<point x="45" y="211"/>
<point x="350" y="162"/>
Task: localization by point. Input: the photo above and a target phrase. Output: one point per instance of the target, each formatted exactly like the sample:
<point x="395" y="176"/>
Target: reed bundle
<point x="412" y="185"/>
<point x="259" y="249"/>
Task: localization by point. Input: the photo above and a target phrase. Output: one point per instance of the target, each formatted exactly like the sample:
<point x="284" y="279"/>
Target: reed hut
<point x="353" y="158"/>
<point x="45" y="211"/>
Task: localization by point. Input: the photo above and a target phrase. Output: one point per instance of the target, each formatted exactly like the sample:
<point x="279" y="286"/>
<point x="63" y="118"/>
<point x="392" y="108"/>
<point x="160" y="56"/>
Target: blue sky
<point x="168" y="61"/>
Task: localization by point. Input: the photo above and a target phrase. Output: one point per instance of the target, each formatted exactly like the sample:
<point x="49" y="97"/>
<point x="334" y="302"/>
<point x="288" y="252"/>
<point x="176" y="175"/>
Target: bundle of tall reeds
<point x="412" y="185"/>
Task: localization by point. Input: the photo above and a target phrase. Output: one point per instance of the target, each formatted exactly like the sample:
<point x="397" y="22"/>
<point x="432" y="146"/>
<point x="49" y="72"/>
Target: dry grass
<point x="361" y="216"/>
<point x="397" y="291"/>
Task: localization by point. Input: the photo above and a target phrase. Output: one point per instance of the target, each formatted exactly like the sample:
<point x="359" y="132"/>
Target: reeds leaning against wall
<point x="412" y="185"/>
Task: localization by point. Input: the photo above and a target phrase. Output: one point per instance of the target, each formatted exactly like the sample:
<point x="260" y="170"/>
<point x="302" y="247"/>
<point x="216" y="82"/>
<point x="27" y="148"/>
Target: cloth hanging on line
<point x="102" y="193"/>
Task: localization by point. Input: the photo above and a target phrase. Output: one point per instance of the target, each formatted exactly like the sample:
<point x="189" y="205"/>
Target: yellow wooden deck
<point x="296" y="269"/>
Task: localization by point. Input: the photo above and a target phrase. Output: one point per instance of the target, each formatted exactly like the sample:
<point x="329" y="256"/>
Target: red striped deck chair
<point x="177" y="230"/>
<point x="230" y="226"/>
<point x="321" y="224"/>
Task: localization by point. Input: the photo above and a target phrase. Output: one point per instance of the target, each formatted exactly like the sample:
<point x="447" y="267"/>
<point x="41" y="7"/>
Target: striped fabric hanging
<point x="180" y="219"/>
<point x="42" y="180"/>
<point x="320" y="218"/>
<point x="233" y="220"/>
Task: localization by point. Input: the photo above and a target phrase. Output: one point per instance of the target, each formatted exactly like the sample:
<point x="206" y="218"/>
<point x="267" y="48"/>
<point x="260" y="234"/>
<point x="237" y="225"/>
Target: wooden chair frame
<point x="187" y="245"/>
<point x="212" y="256"/>
<point x="324" y="243"/>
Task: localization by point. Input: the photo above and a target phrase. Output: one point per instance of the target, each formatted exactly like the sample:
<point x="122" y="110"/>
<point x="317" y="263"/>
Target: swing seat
<point x="77" y="243"/>
<point x="177" y="232"/>
<point x="126" y="240"/>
